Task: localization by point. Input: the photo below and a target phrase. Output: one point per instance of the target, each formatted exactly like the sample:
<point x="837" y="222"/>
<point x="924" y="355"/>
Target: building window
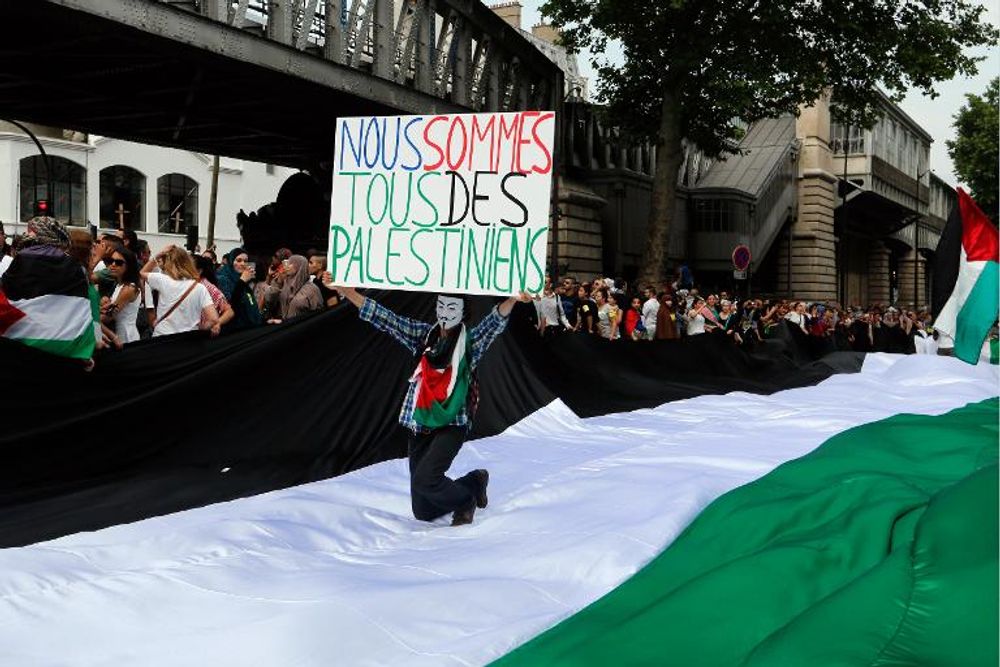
<point x="123" y="193"/>
<point x="848" y="139"/>
<point x="713" y="216"/>
<point x="68" y="199"/>
<point x="177" y="203"/>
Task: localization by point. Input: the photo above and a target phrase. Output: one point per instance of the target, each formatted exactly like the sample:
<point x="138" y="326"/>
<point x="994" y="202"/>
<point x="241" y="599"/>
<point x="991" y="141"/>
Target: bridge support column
<point x="813" y="255"/>
<point x="279" y="21"/>
<point x="217" y="10"/>
<point x="579" y="244"/>
<point x="878" y="274"/>
<point x="908" y="263"/>
<point x="853" y="270"/>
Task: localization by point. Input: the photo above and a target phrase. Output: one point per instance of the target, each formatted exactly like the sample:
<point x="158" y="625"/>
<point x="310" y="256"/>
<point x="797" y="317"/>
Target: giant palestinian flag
<point x="45" y="303"/>
<point x="849" y="522"/>
<point x="966" y="278"/>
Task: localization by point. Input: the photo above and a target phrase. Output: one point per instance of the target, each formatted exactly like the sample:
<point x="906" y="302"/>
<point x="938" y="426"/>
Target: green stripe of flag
<point x="978" y="314"/>
<point x="81" y="347"/>
<point x="878" y="548"/>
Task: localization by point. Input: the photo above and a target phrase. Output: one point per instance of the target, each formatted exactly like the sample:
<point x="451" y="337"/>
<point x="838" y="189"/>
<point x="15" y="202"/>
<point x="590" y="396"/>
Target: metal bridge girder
<point x="428" y="45"/>
<point x="137" y="60"/>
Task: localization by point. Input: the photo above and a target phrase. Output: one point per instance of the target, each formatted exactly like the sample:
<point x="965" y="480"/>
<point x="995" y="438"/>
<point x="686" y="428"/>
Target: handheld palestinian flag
<point x="966" y="279"/>
<point x="441" y="393"/>
<point x="45" y="303"/>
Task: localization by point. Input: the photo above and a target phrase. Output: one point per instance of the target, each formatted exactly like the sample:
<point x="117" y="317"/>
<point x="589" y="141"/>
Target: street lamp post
<point x="45" y="159"/>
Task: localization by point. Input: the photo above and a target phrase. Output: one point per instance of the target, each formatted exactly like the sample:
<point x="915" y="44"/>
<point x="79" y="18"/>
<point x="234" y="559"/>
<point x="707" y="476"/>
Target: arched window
<point x="177" y="203"/>
<point x="123" y="194"/>
<point x="68" y="199"/>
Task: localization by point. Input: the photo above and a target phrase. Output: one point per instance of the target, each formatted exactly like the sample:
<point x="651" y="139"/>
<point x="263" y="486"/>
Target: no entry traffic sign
<point x="741" y="257"/>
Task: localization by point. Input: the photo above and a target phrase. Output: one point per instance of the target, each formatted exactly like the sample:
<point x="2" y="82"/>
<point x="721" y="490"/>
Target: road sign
<point x="741" y="257"/>
<point x="739" y="275"/>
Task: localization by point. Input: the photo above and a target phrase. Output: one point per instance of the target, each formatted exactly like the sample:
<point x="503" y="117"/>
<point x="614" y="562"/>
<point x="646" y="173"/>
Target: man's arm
<point x="508" y="304"/>
<point x="562" y="316"/>
<point x="410" y="333"/>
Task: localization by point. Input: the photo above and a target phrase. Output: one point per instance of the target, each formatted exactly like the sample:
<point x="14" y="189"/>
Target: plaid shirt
<point x="412" y="334"/>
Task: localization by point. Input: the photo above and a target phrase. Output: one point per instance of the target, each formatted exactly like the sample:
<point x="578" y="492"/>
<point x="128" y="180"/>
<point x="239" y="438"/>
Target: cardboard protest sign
<point x="455" y="203"/>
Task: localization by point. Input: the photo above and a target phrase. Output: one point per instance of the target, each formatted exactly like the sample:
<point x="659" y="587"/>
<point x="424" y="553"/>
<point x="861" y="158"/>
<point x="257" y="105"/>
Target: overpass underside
<point x="151" y="72"/>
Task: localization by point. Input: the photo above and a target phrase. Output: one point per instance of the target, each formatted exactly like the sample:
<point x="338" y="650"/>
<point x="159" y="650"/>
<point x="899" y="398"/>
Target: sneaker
<point x="484" y="479"/>
<point x="463" y="517"/>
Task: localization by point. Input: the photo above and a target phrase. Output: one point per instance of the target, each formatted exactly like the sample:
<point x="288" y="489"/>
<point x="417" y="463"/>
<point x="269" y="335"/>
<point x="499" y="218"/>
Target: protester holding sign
<point x="445" y="203"/>
<point x="442" y="397"/>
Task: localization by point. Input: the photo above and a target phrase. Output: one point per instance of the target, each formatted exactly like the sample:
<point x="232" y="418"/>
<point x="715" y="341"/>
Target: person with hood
<point x="234" y="277"/>
<point x="666" y="319"/>
<point x="297" y="294"/>
<point x="442" y="397"/>
<point x="45" y="296"/>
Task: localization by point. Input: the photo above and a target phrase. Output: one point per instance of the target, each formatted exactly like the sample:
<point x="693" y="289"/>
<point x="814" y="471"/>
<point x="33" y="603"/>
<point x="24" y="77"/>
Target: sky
<point x="934" y="115"/>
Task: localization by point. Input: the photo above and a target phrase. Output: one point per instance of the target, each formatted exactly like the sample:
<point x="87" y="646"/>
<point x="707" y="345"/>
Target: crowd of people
<point x="140" y="294"/>
<point x="607" y="308"/>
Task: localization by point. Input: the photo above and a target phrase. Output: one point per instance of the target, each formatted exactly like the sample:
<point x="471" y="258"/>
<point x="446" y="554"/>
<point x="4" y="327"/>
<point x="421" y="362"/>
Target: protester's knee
<point x="422" y="513"/>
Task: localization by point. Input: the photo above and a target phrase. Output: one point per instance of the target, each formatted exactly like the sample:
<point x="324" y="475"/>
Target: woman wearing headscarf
<point x="298" y="294"/>
<point x="44" y="266"/>
<point x="666" y="319"/>
<point x="234" y="278"/>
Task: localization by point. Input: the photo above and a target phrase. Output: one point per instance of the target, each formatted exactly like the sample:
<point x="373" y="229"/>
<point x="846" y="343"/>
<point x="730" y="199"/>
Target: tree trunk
<point x="669" y="155"/>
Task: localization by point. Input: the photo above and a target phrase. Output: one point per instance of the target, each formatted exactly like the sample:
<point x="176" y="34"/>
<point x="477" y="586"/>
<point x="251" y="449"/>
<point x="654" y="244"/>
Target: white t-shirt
<point x="797" y="319"/>
<point x="650" y="310"/>
<point x="5" y="262"/>
<point x="125" y="318"/>
<point x="186" y="316"/>
<point x="696" y="325"/>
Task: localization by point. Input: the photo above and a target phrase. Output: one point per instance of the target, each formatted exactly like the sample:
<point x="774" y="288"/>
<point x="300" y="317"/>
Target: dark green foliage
<point x="716" y="62"/>
<point x="976" y="149"/>
<point x="752" y="60"/>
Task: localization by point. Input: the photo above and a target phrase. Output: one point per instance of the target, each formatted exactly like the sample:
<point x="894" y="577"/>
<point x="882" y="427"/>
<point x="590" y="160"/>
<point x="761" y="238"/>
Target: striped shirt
<point x="412" y="334"/>
<point x="218" y="298"/>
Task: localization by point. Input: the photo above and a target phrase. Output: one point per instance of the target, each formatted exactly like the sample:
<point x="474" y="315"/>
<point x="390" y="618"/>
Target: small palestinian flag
<point x="45" y="303"/>
<point x="966" y="279"/>
<point x="441" y="393"/>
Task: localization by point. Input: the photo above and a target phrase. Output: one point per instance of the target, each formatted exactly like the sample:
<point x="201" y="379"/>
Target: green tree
<point x="690" y="68"/>
<point x="976" y="148"/>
